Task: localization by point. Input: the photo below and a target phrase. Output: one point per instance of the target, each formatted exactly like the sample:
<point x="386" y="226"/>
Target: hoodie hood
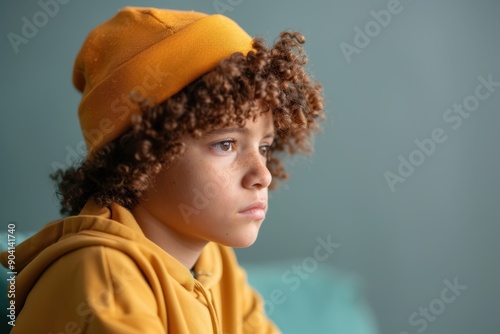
<point x="113" y="227"/>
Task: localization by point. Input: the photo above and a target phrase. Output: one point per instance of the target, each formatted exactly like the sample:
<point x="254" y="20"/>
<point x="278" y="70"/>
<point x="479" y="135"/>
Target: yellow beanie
<point x="146" y="55"/>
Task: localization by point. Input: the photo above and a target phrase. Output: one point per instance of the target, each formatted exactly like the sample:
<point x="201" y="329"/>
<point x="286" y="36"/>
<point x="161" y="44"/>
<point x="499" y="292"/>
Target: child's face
<point x="209" y="192"/>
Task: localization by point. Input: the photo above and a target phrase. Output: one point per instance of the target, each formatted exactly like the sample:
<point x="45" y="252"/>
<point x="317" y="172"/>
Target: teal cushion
<point x="323" y="300"/>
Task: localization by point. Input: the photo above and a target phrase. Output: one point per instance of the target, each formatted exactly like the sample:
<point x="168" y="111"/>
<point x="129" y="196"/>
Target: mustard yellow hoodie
<point x="98" y="273"/>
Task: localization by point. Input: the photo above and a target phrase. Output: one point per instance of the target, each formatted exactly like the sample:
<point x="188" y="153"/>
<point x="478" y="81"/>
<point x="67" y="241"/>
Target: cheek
<point x="217" y="181"/>
<point x="212" y="190"/>
<point x="202" y="186"/>
<point x="192" y="184"/>
<point x="173" y="186"/>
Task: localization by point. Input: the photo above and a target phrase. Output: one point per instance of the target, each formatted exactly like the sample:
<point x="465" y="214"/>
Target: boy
<point x="180" y="112"/>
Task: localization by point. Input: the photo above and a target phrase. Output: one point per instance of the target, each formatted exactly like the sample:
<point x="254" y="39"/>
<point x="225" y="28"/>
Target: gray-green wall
<point x="398" y="87"/>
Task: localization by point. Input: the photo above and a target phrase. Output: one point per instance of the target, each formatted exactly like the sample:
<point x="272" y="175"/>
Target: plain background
<point x="441" y="223"/>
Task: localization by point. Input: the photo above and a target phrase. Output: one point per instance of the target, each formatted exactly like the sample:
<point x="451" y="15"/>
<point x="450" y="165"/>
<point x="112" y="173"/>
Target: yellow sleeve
<point x="96" y="290"/>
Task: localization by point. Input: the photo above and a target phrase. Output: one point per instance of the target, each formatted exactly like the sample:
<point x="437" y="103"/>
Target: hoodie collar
<point x="208" y="268"/>
<point x="111" y="223"/>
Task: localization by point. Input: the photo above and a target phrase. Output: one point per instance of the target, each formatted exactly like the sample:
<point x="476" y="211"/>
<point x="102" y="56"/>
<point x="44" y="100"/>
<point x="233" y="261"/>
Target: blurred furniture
<point x="325" y="300"/>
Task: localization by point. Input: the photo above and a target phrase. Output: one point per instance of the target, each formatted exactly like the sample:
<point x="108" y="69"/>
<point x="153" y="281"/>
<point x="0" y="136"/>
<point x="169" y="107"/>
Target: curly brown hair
<point x="123" y="169"/>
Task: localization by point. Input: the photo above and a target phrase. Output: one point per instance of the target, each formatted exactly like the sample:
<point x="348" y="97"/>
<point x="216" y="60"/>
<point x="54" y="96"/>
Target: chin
<point x="243" y="240"/>
<point x="244" y="244"/>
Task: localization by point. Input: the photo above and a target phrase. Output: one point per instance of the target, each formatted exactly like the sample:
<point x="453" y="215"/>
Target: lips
<point x="256" y="210"/>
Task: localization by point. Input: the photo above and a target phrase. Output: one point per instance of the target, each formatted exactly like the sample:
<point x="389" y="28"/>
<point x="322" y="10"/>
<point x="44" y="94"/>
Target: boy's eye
<point x="224" y="146"/>
<point x="265" y="150"/>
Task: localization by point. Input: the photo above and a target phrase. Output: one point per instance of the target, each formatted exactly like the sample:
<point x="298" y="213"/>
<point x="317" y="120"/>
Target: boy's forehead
<point x="261" y="123"/>
<point x="255" y="114"/>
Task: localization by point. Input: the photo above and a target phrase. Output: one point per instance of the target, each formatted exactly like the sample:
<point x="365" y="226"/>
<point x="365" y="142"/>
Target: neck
<point x="185" y="250"/>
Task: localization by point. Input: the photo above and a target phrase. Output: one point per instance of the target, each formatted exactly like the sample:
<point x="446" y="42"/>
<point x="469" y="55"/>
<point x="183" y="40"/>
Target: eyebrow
<point x="270" y="134"/>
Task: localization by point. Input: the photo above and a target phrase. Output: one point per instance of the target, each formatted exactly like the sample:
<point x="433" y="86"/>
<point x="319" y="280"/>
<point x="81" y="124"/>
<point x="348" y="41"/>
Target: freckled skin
<point x="199" y="197"/>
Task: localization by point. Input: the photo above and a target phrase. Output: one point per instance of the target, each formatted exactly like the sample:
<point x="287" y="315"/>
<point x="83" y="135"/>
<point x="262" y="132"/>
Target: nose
<point x="257" y="175"/>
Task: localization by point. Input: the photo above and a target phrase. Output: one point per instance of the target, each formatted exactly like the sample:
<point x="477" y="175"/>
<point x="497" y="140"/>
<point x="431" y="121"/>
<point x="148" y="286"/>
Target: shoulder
<point x="96" y="274"/>
<point x="96" y="288"/>
<point x="97" y="278"/>
<point x="102" y="260"/>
